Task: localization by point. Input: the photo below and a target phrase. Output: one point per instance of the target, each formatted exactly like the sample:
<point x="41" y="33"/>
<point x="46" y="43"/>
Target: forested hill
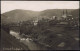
<point x="23" y="15"/>
<point x="18" y="15"/>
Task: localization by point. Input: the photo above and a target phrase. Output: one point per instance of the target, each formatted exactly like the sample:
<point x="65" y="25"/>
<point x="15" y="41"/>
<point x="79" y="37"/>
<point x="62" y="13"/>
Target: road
<point x="31" y="44"/>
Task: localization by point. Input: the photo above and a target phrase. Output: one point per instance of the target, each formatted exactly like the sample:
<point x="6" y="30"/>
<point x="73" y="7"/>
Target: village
<point x="48" y="30"/>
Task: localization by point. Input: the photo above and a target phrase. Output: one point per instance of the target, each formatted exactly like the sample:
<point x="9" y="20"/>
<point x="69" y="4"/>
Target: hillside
<point x="18" y="15"/>
<point x="75" y="13"/>
<point x="55" y="12"/>
<point x="23" y="15"/>
<point x="9" y="42"/>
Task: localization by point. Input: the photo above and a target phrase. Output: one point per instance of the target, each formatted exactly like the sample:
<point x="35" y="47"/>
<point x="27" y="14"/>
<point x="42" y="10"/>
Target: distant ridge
<point x="23" y="15"/>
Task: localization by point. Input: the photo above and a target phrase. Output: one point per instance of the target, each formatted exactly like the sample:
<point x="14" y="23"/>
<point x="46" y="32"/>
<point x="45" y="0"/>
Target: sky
<point x="38" y="5"/>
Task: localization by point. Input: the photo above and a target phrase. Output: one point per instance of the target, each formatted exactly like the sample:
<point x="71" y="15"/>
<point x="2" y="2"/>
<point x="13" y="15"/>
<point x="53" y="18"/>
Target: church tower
<point x="64" y="15"/>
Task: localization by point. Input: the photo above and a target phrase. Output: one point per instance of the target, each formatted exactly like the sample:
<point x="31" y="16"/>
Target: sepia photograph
<point x="39" y="25"/>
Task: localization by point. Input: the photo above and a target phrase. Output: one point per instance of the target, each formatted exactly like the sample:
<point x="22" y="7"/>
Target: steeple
<point x="63" y="12"/>
<point x="66" y="12"/>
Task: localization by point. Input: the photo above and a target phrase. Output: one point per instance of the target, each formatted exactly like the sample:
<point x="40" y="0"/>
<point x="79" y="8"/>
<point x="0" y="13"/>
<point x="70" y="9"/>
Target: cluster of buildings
<point x="66" y="18"/>
<point x="69" y="19"/>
